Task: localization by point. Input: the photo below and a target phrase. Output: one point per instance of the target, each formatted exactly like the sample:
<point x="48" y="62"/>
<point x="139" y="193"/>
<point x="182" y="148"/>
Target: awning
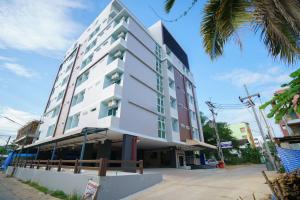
<point x="68" y="139"/>
<point x="200" y="144"/>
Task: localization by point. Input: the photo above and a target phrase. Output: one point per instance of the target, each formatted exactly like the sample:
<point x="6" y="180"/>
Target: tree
<point x="286" y="101"/>
<point x="225" y="135"/>
<point x="277" y="21"/>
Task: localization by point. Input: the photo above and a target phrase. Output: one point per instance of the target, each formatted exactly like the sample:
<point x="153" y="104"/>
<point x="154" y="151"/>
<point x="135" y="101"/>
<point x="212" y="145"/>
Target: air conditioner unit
<point x="115" y="77"/>
<point x="118" y="54"/>
<point x="112" y="103"/>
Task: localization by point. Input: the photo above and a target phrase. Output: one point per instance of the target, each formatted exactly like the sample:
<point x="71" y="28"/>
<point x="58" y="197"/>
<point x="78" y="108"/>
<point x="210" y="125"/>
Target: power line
<point x="177" y="18"/>
<point x="9" y="119"/>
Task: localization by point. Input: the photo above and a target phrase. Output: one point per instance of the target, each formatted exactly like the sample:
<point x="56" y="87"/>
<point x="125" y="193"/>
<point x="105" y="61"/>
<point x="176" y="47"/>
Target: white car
<point x="212" y="162"/>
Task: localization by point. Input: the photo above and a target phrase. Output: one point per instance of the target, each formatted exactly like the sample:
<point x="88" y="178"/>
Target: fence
<point x="101" y="165"/>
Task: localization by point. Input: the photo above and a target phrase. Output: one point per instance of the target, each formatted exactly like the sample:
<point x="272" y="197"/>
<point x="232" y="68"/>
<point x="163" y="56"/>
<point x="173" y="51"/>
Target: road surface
<point x="208" y="184"/>
<point x="12" y="189"/>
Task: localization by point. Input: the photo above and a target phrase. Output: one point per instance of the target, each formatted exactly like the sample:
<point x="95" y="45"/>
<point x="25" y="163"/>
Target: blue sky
<point x="35" y="34"/>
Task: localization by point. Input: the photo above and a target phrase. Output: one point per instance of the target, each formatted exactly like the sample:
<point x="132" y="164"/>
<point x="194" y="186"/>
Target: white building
<point x="131" y="81"/>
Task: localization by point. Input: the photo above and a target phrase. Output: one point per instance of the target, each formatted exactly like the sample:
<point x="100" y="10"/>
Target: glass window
<point x="50" y="130"/>
<point x="55" y="111"/>
<point x="78" y="98"/>
<point x="171" y="83"/>
<point x="87" y="61"/>
<point x="72" y="121"/>
<point x="161" y="127"/>
<point x="65" y="80"/>
<point x="175" y="126"/>
<point x="112" y="111"/>
<point x="173" y="102"/>
<point x="69" y="67"/>
<point x="60" y="95"/>
<point x="82" y="78"/>
<point x="160" y="104"/>
<point x="90" y="46"/>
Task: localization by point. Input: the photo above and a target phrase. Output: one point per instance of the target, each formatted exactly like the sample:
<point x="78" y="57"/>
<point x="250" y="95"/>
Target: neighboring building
<point x="132" y="82"/>
<point x="243" y="133"/>
<point x="27" y="133"/>
<point x="258" y="141"/>
<point x="290" y="124"/>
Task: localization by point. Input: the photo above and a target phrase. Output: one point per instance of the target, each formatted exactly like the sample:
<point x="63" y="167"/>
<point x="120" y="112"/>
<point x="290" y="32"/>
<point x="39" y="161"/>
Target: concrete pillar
<point x="129" y="151"/>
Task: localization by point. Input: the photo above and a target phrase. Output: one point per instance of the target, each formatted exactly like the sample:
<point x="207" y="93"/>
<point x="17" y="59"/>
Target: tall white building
<point x="133" y="82"/>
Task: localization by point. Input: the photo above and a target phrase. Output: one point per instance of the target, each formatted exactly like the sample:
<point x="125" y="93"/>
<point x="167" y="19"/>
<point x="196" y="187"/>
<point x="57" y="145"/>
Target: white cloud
<point x="40" y="26"/>
<point x="4" y="58"/>
<point x="19" y="70"/>
<point x="238" y="77"/>
<point x="9" y="128"/>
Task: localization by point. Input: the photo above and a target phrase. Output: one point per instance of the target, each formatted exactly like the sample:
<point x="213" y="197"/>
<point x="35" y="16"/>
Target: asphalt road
<point x="209" y="184"/>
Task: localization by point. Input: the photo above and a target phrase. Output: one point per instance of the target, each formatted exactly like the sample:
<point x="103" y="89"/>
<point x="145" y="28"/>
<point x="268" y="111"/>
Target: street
<point x="12" y="189"/>
<point x="208" y="184"/>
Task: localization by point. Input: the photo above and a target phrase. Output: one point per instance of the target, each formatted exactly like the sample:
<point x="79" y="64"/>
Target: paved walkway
<point x="209" y="184"/>
<point x="12" y="189"/>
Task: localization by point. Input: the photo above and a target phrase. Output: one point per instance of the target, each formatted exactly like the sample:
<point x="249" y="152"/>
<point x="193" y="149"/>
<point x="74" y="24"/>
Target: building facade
<point x="243" y="133"/>
<point x="27" y="133"/>
<point x="132" y="81"/>
<point x="290" y="124"/>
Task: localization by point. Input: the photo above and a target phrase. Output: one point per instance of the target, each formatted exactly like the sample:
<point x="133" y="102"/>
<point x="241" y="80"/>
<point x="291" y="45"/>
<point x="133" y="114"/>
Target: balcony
<point x="112" y="91"/>
<point x="116" y="65"/>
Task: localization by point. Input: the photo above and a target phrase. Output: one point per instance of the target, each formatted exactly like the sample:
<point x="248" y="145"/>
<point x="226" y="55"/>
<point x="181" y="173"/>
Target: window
<point x="175" y="126"/>
<point x="170" y="67"/>
<point x="87" y="61"/>
<point x="82" y="78"/>
<point x="195" y="133"/>
<point x="158" y="50"/>
<point x="60" y="95"/>
<point x="189" y="85"/>
<point x="65" y="80"/>
<point x="171" y="84"/>
<point x="72" y="121"/>
<point x="112" y="111"/>
<point x="158" y="66"/>
<point x="50" y="130"/>
<point x="173" y="102"/>
<point x="161" y="127"/>
<point x="69" y="67"/>
<point x="94" y="33"/>
<point x="159" y="83"/>
<point x="78" y="98"/>
<point x="55" y="111"/>
<point x="90" y="46"/>
<point x="192" y="115"/>
<point x="160" y="104"/>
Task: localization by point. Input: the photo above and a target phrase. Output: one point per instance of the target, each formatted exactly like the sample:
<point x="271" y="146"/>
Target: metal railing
<point x="101" y="165"/>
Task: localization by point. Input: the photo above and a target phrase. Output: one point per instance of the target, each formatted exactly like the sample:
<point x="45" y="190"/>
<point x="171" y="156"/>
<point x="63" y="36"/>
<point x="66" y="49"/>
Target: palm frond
<point x="169" y="5"/>
<point x="221" y="20"/>
<point x="278" y="34"/>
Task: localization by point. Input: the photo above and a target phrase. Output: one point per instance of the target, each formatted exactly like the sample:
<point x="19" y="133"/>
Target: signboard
<point x="226" y="145"/>
<point x="91" y="190"/>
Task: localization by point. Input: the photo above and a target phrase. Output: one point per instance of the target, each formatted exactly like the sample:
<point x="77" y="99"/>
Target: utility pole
<point x="211" y="108"/>
<point x="270" y="131"/>
<point x="252" y="105"/>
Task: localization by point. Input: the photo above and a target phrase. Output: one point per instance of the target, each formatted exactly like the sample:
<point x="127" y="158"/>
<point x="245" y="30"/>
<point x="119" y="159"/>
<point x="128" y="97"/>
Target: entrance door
<point x="181" y="161"/>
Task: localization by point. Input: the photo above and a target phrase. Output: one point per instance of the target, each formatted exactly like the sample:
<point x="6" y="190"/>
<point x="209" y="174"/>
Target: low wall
<point x="111" y="187"/>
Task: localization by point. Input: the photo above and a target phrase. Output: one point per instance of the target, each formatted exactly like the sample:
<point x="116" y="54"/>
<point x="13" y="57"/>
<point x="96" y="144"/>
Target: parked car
<point x="212" y="162"/>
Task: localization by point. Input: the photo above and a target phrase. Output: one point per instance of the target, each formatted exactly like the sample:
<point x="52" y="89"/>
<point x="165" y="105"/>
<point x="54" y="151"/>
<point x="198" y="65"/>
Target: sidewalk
<point x="12" y="189"/>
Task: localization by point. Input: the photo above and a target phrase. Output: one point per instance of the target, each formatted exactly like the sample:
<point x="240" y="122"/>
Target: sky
<point x="34" y="36"/>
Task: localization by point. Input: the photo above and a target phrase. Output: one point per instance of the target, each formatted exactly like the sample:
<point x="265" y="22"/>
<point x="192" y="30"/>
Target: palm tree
<point x="277" y="21"/>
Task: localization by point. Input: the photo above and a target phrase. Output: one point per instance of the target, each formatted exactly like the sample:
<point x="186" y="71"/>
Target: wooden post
<point x="47" y="165"/>
<point x="141" y="166"/>
<point x="99" y="166"/>
<point x="76" y="167"/>
<point x="31" y="164"/>
<point x="59" y="166"/>
<point x="38" y="164"/>
<point x="103" y="167"/>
